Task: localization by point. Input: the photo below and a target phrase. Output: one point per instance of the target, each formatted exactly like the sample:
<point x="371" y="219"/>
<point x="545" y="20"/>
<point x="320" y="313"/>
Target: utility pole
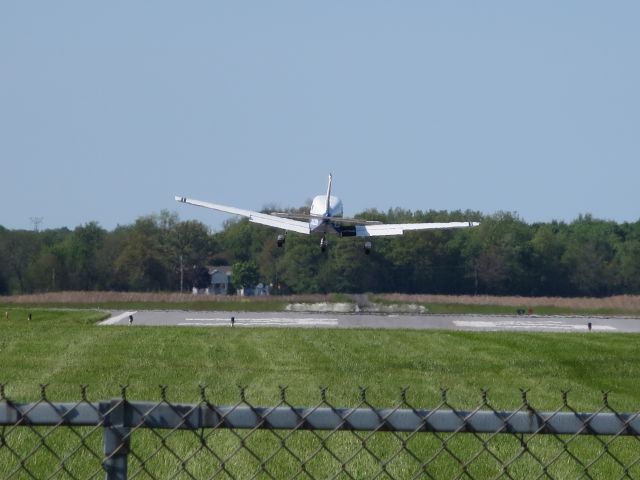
<point x="475" y="277"/>
<point x="181" y="273"/>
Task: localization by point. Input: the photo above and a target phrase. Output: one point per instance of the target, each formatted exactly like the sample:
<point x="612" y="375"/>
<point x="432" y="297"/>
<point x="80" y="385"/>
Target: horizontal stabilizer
<point x="302" y="216"/>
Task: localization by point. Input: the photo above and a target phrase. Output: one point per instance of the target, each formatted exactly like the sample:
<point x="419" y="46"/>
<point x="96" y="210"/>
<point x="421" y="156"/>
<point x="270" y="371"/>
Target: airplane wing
<point x="255" y="217"/>
<point x="400" y="228"/>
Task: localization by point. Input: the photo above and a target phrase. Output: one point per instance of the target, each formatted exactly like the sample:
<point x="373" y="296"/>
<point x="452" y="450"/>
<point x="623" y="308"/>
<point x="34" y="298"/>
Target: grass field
<point x="64" y="349"/>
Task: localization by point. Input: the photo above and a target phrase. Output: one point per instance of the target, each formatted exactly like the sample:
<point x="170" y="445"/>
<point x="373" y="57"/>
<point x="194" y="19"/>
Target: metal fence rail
<point x="118" y="439"/>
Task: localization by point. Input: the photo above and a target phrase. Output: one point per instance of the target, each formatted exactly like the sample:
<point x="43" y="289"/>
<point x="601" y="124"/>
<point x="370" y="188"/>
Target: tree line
<point x="503" y="256"/>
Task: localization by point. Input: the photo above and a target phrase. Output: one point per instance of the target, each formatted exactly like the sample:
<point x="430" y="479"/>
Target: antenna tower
<point x="36" y="222"/>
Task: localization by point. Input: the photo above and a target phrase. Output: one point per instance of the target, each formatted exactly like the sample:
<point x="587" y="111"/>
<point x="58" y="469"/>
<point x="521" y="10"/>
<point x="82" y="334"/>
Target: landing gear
<point x="323" y="244"/>
<point x="367" y="248"/>
<point x="280" y="240"/>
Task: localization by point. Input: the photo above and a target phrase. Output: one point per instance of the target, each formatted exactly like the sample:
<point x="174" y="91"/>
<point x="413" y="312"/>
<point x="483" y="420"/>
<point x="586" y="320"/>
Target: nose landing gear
<point x="323" y="244"/>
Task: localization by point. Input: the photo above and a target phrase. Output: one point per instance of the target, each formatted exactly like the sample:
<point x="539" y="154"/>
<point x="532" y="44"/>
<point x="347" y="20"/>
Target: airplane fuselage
<point x="323" y="212"/>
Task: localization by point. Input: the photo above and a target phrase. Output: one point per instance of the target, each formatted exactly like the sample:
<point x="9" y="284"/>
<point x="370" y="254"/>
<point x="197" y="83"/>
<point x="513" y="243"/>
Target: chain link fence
<point x="119" y="438"/>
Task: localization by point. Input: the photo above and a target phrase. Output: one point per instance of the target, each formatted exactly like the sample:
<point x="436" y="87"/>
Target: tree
<point x="201" y="277"/>
<point x="189" y="245"/>
<point x="589" y="256"/>
<point x="4" y="267"/>
<point x="18" y="248"/>
<point x="627" y="264"/>
<point x="243" y="241"/>
<point x="502" y="256"/>
<point x="245" y="274"/>
<point x="346" y="269"/>
<point x="83" y="251"/>
<point x="298" y="267"/>
<point x="142" y="263"/>
<point x="548" y="272"/>
<point x="498" y="255"/>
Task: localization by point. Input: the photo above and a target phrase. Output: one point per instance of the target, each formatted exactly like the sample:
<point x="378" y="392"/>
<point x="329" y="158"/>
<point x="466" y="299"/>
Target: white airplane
<point x="326" y="217"/>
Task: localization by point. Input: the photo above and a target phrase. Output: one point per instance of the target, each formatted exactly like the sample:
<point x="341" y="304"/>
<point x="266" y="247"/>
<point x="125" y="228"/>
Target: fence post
<point x="117" y="438"/>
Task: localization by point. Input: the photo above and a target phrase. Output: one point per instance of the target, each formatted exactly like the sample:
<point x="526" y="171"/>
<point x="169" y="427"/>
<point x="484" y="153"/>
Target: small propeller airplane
<point x="325" y="217"/>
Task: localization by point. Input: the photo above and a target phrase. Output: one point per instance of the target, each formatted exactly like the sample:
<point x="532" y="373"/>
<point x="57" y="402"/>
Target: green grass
<point x="462" y="309"/>
<point x="64" y="349"/>
<point x="247" y="305"/>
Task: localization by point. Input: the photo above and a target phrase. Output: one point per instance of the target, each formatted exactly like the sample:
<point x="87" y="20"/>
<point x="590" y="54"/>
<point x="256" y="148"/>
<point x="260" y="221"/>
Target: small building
<point x="220" y="280"/>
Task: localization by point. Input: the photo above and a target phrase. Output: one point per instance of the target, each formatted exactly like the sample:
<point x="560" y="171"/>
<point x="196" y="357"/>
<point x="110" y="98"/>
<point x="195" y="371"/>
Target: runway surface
<point x="521" y="323"/>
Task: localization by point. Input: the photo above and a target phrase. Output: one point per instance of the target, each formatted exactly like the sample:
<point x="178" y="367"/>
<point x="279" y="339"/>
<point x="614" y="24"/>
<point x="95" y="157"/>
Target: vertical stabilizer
<point x="328" y="207"/>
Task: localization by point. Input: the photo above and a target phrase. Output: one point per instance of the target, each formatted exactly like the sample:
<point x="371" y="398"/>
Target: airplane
<point x="325" y="217"/>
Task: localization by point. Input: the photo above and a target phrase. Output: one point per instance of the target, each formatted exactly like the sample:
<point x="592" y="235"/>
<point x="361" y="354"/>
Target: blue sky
<point x="109" y="109"/>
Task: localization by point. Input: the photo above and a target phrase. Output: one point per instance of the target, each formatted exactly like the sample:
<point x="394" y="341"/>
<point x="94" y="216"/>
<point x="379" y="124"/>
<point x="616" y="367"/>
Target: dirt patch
<point x="324" y="307"/>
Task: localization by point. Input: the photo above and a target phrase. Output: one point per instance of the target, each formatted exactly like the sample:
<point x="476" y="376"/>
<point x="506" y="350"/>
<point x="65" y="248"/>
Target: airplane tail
<point x="328" y="207"/>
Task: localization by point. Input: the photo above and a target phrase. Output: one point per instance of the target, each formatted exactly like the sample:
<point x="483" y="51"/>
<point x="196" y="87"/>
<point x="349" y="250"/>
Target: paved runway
<point x="523" y="323"/>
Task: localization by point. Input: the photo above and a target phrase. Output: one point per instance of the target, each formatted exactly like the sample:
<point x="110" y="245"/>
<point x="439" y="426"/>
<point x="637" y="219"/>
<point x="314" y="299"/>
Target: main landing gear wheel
<point x="280" y="240"/>
<point x="367" y="248"/>
<point x="323" y="244"/>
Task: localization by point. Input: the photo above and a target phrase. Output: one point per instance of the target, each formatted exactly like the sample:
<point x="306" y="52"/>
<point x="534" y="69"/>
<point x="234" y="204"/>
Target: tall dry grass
<point x="622" y="302"/>
<point x="168" y="297"/>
